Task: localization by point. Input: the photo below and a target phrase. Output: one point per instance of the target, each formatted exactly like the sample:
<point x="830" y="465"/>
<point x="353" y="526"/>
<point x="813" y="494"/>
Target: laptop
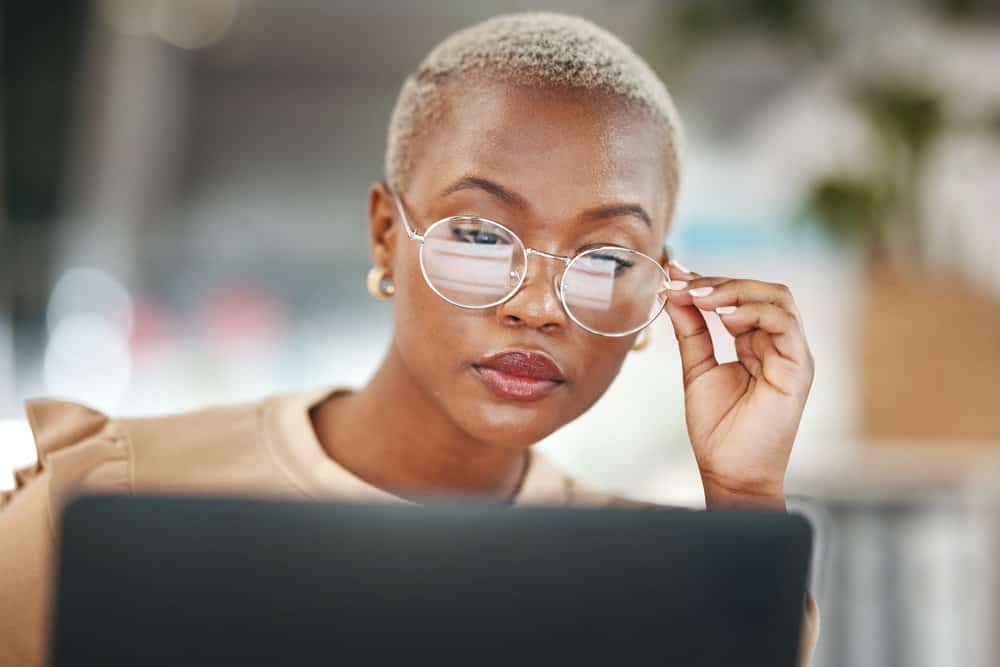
<point x="158" y="580"/>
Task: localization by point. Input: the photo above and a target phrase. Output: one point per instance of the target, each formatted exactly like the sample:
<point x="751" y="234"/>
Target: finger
<point x="786" y="334"/>
<point x="674" y="265"/>
<point x="710" y="293"/>
<point x="693" y="340"/>
<point x="749" y="353"/>
<point x="681" y="288"/>
<point x="679" y="278"/>
<point x="679" y="273"/>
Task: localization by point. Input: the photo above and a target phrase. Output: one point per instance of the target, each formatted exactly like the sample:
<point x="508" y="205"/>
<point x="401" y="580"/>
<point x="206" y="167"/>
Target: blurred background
<point x="184" y="224"/>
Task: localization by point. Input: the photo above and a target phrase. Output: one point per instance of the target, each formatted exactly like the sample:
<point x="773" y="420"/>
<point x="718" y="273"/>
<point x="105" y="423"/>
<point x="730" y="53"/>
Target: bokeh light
<point x="18" y="449"/>
<point x="188" y="24"/>
<point x="88" y="359"/>
<point x="88" y="290"/>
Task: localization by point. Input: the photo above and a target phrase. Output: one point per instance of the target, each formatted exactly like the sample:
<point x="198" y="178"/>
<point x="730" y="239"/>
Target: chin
<point x="508" y="424"/>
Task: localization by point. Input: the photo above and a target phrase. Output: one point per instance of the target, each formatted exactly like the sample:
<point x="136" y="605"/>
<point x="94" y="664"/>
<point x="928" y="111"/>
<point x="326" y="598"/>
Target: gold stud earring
<point x="642" y="342"/>
<point x="379" y="286"/>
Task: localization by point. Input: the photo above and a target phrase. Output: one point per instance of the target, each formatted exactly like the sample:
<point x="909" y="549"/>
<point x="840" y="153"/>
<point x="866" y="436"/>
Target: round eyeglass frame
<point x="413" y="235"/>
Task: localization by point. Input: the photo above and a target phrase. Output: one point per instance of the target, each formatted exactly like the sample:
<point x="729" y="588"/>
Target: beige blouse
<point x="266" y="448"/>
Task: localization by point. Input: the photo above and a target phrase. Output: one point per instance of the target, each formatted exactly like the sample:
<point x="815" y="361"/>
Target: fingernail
<point x="677" y="284"/>
<point x="725" y="310"/>
<point x="701" y="291"/>
<point x="677" y="265"/>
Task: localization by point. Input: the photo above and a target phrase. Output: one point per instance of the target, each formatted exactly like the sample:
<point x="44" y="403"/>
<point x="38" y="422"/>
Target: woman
<point x="504" y="332"/>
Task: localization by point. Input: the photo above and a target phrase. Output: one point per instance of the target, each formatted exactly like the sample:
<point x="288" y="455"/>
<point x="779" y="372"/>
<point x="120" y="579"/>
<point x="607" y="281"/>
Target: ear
<point x="382" y="227"/>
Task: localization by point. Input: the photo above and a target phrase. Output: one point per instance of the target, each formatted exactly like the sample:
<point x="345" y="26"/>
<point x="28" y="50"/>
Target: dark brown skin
<point x="429" y="425"/>
<point x="426" y="425"/>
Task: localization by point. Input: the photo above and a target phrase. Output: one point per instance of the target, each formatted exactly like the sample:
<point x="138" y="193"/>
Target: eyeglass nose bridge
<point x="542" y="253"/>
<point x="557" y="277"/>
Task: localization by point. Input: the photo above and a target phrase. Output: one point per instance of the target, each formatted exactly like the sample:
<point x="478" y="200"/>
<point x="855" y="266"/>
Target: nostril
<point x="512" y="319"/>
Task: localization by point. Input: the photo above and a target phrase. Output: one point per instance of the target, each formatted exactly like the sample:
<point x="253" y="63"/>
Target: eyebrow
<point x="617" y="211"/>
<point x="600" y="213"/>
<point x="498" y="191"/>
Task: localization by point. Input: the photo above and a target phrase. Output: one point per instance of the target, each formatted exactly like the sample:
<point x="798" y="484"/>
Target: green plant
<point x="681" y="31"/>
<point x="879" y="207"/>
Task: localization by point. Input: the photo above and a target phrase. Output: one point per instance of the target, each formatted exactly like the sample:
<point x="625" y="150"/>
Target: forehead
<point x="563" y="151"/>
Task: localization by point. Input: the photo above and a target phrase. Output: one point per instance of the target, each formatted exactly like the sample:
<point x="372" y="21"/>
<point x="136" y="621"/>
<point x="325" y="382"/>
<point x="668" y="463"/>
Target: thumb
<point x="693" y="340"/>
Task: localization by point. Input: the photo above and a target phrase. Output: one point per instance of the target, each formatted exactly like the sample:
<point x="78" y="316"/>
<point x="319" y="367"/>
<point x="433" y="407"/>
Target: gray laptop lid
<point x="199" y="581"/>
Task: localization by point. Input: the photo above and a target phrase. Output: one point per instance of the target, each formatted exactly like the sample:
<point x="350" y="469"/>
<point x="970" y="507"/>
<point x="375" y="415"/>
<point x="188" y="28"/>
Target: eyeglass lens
<point x="475" y="263"/>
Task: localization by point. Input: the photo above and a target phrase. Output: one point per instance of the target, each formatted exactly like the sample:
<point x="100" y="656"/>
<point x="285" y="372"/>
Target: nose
<point x="536" y="304"/>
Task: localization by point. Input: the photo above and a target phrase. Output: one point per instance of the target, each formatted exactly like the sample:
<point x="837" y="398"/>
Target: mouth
<point x="520" y="375"/>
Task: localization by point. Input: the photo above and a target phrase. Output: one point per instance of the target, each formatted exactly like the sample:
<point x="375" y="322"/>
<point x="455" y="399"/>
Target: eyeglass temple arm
<point x="412" y="233"/>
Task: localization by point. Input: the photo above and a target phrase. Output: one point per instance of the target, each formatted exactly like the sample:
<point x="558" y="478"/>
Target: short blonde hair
<point x="536" y="49"/>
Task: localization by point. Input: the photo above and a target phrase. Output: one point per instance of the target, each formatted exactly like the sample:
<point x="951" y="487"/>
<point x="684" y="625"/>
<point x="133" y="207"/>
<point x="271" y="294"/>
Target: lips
<point x="521" y="375"/>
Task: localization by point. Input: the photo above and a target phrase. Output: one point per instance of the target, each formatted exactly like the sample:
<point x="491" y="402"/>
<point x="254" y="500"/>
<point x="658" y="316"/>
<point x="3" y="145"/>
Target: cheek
<point x="429" y="331"/>
<point x="602" y="359"/>
<point x="435" y="339"/>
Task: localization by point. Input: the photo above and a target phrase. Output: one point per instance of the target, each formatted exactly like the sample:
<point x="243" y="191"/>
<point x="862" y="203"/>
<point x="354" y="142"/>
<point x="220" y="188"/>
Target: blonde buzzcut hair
<point x="535" y="49"/>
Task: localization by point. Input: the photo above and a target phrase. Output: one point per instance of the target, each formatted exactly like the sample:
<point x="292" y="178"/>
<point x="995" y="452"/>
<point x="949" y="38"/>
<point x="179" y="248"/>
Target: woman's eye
<point x="622" y="265"/>
<point x="477" y="236"/>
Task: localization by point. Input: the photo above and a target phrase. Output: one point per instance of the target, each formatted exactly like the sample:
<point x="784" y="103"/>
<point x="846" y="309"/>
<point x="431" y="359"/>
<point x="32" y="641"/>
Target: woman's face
<point x="563" y="171"/>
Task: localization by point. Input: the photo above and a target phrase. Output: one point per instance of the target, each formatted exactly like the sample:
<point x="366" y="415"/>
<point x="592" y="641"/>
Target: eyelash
<point x="465" y="234"/>
<point x="462" y="234"/>
<point x="602" y="245"/>
<point x="621" y="265"/>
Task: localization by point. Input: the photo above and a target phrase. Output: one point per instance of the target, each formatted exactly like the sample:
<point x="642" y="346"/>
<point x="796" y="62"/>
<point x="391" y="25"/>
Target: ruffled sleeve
<point x="79" y="449"/>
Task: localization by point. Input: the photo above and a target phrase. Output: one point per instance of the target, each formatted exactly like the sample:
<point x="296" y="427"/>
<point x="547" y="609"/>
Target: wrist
<point x="764" y="496"/>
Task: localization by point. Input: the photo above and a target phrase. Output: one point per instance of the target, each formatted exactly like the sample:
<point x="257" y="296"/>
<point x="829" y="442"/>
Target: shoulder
<point x="194" y="430"/>
<point x="64" y="428"/>
<point x="83" y="449"/>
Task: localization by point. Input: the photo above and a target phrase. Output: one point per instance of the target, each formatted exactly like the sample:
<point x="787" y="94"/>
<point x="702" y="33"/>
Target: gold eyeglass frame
<point x="558" y="281"/>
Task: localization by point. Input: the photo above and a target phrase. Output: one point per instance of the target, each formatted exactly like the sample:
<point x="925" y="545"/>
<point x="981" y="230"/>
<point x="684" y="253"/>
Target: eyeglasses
<point x="476" y="263"/>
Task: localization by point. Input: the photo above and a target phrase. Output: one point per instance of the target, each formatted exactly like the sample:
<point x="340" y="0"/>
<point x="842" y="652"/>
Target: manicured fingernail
<point x="701" y="291"/>
<point x="677" y="285"/>
<point x="677" y="265"/>
<point x="725" y="310"/>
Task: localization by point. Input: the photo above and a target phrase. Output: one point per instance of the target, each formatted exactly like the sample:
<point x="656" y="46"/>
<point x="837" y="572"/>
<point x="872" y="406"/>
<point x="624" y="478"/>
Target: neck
<point x="393" y="435"/>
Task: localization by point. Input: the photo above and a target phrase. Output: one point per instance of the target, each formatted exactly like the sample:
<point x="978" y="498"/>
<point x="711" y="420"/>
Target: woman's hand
<point x="741" y="416"/>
